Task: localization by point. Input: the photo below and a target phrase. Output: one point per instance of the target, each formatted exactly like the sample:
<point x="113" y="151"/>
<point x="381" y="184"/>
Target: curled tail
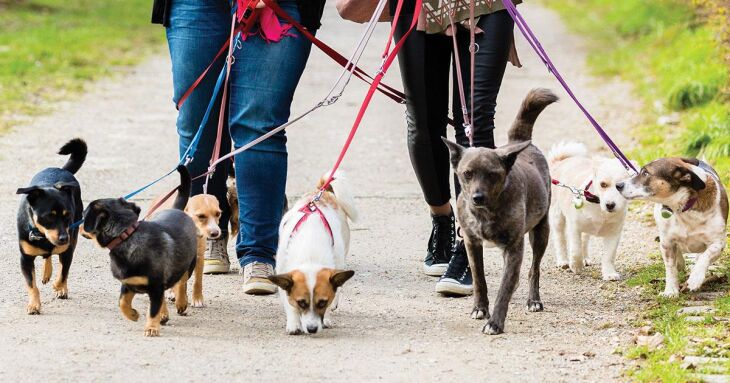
<point x="183" y="193"/>
<point x="564" y="150"/>
<point x="339" y="188"/>
<point x="77" y="149"/>
<point x="531" y="107"/>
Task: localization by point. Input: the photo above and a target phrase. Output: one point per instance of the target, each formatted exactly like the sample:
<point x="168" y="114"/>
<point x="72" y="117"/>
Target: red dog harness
<point x="308" y="210"/>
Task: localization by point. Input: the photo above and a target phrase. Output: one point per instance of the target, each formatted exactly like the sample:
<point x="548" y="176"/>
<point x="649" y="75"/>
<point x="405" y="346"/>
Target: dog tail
<point x="339" y="188"/>
<point x="77" y="149"/>
<point x="531" y="107"/>
<point x="564" y="150"/>
<point x="183" y="193"/>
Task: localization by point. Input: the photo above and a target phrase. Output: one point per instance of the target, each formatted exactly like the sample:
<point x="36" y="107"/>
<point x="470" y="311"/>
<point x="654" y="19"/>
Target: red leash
<point x="388" y="58"/>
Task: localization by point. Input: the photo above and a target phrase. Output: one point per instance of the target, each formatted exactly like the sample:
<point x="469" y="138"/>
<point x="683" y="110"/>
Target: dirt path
<point x="390" y="325"/>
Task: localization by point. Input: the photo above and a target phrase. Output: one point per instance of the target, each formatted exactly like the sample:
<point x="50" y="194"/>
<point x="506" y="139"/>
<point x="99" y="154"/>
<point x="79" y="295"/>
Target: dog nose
<point x="610" y="205"/>
<point x="478" y="198"/>
<point x="620" y="186"/>
<point x="214" y="234"/>
<point x="312" y="329"/>
<point x="62" y="239"/>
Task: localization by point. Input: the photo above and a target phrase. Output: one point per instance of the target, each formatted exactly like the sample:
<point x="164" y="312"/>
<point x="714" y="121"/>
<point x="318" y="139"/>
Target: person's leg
<point x="197" y="31"/>
<point x="264" y="78"/>
<point x="424" y="61"/>
<point x="490" y="62"/>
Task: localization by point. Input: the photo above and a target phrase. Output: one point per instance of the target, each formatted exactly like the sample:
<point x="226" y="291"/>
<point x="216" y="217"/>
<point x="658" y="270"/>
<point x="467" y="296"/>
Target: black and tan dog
<point x="505" y="195"/>
<point x="148" y="257"/>
<point x="48" y="208"/>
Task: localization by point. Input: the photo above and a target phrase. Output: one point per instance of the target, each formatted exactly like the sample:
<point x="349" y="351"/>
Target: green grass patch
<point x="51" y="48"/>
<point x="675" y="61"/>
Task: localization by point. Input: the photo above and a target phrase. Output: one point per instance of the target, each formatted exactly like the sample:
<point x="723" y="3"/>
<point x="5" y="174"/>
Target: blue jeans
<point x="263" y="79"/>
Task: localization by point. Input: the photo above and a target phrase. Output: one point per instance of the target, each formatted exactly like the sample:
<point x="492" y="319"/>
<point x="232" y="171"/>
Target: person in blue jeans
<point x="263" y="79"/>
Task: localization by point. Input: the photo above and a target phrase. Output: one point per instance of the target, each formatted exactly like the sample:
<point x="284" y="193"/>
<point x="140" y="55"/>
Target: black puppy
<point x="148" y="257"/>
<point x="505" y="195"/>
<point x="48" y="208"/>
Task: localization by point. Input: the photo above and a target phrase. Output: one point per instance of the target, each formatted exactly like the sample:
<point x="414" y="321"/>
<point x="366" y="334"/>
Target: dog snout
<point x="610" y="206"/>
<point x="62" y="239"/>
<point x="478" y="198"/>
<point x="312" y="329"/>
<point x="215" y="234"/>
<point x="620" y="186"/>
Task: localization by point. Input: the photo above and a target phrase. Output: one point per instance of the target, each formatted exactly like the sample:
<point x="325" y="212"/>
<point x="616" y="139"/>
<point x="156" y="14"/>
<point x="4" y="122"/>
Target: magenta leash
<point x="535" y="43"/>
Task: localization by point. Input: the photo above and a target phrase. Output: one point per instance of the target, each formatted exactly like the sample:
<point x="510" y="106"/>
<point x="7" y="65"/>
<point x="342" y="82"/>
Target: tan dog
<point x="205" y="212"/>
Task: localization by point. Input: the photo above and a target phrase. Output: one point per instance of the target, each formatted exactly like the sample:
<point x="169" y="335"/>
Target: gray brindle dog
<point x="505" y="195"/>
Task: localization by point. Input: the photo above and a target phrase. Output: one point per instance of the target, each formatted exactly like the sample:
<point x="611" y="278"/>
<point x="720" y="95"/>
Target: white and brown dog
<point x="573" y="223"/>
<point x="691" y="213"/>
<point x="310" y="263"/>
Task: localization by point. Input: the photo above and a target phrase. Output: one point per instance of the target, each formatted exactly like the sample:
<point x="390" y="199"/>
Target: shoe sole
<point x="451" y="287"/>
<point x="216" y="269"/>
<point x="435" y="270"/>
<point x="259" y="288"/>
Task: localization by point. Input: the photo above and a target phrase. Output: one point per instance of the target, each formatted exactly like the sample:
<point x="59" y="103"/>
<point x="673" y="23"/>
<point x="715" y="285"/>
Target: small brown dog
<point x="205" y="212"/>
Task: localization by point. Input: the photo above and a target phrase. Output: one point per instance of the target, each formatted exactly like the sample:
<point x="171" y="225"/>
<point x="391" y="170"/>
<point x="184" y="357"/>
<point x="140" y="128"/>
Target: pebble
<point x="696" y="310"/>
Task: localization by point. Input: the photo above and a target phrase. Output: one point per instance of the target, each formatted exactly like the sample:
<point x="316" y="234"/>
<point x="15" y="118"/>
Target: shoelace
<point x="441" y="236"/>
<point x="259" y="270"/>
<point x="216" y="247"/>
<point x="459" y="261"/>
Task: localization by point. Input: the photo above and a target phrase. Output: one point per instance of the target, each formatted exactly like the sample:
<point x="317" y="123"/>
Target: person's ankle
<point x="441" y="210"/>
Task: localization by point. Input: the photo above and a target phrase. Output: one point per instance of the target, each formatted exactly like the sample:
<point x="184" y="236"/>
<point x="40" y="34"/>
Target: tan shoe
<point x="216" y="257"/>
<point x="255" y="279"/>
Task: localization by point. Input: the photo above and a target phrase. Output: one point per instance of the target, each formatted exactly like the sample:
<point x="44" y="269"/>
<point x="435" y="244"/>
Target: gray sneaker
<point x="216" y="256"/>
<point x="255" y="279"/>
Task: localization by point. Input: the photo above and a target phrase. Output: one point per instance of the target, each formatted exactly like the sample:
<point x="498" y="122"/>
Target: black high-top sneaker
<point x="457" y="280"/>
<point x="440" y="244"/>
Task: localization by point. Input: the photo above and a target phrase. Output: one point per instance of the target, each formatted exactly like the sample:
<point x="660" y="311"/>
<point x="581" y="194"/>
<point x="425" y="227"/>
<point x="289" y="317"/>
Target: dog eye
<point x="53" y="213"/>
<point x="604" y="185"/>
<point x="201" y="216"/>
<point x="66" y="213"/>
<point x="322" y="303"/>
<point x="303" y="304"/>
<point x="217" y="214"/>
<point x="644" y="173"/>
<point x="468" y="174"/>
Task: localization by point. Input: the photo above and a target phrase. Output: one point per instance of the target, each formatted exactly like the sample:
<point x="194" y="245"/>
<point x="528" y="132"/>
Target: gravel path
<point x="390" y="325"/>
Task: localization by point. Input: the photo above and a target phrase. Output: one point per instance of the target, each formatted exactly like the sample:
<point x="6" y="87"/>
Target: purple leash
<point x="535" y="43"/>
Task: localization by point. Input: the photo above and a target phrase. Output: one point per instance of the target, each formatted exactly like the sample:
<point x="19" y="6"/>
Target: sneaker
<point x="440" y="244"/>
<point x="216" y="256"/>
<point x="457" y="280"/>
<point x="255" y="279"/>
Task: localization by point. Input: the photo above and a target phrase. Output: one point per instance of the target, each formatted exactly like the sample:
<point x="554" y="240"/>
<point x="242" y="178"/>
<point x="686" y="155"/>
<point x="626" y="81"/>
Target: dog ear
<point x="455" y="150"/>
<point x="95" y="218"/>
<point x="339" y="277"/>
<point x="136" y="209"/>
<point x="32" y="193"/>
<point x="689" y="178"/>
<point x="508" y="153"/>
<point x="284" y="281"/>
<point x="691" y="161"/>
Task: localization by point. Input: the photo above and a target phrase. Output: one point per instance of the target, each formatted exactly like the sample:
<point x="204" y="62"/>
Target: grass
<point x="678" y="66"/>
<point x="49" y="49"/>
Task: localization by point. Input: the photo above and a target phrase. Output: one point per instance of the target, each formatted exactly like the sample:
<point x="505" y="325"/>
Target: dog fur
<point x="205" y="212"/>
<point x="48" y="208"/>
<point x="310" y="267"/>
<point x="159" y="255"/>
<point x="505" y="195"/>
<point x="572" y="228"/>
<point x="673" y="182"/>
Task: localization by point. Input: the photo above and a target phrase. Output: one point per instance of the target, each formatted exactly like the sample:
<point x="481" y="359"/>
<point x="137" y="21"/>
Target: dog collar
<point x="690" y="203"/>
<point x="123" y="237"/>
<point x="590" y="197"/>
<point x="668" y="212"/>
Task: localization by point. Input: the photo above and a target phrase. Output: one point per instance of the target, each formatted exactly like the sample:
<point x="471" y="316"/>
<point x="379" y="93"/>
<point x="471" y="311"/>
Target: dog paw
<point x="479" y="313"/>
<point x="670" y="293"/>
<point x="33" y="309"/>
<point x="611" y="276"/>
<point x="534" y="306"/>
<point x="327" y="323"/>
<point x="562" y="264"/>
<point x="198" y="303"/>
<point x="182" y="310"/>
<point x="695" y="281"/>
<point x="62" y="293"/>
<point x="576" y="267"/>
<point x="492" y="329"/>
<point x="294" y="330"/>
<point x="132" y="315"/>
<point x="152" y="331"/>
<point x="164" y="318"/>
<point x="45" y="279"/>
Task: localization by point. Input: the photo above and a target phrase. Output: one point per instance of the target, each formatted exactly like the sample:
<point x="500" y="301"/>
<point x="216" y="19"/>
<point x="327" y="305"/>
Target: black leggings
<point x="425" y="62"/>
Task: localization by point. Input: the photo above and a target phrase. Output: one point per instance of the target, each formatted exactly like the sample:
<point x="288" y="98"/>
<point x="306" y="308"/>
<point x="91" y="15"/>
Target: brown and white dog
<point x="310" y="262"/>
<point x="691" y="213"/>
<point x="205" y="212"/>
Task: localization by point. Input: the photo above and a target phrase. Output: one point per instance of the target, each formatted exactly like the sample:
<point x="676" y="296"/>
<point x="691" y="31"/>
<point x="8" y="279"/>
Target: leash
<point x="388" y="58"/>
<point x="580" y="194"/>
<point x="466" y="116"/>
<point x="537" y="47"/>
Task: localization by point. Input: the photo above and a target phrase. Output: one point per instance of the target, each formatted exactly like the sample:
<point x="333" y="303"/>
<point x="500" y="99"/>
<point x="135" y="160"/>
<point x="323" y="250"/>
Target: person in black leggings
<point x="425" y="62"/>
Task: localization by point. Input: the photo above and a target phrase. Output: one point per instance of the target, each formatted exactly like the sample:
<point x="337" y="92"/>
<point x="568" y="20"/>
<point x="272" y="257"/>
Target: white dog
<point x="310" y="262"/>
<point x="573" y="223"/>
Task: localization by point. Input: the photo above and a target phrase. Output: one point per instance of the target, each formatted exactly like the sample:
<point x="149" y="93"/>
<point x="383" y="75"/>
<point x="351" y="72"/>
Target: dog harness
<point x="122" y="237"/>
<point x="308" y="210"/>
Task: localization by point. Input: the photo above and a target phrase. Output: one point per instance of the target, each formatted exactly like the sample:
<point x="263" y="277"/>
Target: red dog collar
<point x="123" y="237"/>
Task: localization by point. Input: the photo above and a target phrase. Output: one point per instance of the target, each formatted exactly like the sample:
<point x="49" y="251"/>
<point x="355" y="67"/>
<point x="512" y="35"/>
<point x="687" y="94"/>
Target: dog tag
<point x="667" y="212"/>
<point x="578" y="202"/>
